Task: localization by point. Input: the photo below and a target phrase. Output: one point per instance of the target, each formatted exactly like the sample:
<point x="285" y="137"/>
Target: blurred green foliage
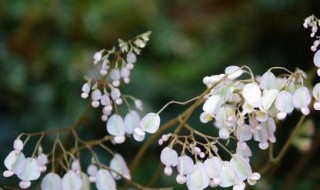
<point x="46" y="47"/>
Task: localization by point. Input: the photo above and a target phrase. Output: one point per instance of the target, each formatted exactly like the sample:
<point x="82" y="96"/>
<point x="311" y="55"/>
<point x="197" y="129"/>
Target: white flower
<point x="30" y="171"/>
<point x="92" y="170"/>
<point x="138" y="134"/>
<point x="268" y="97"/>
<point x="229" y="177"/>
<point x="125" y="74"/>
<point x="213" y="168"/>
<point x="226" y="117"/>
<point x="85" y="182"/>
<point x="316" y="58"/>
<point x="265" y="133"/>
<point x="71" y="181"/>
<point x="115" y="77"/>
<point x="131" y="57"/>
<point x="97" y="56"/>
<point x="85" y="90"/>
<point x="75" y="166"/>
<point x="244" y="151"/>
<point x="51" y="181"/>
<point x="243" y="169"/>
<point x="169" y="158"/>
<point x="212" y="104"/>
<point x="105" y="100"/>
<point x="243" y="133"/>
<point x="150" y="123"/>
<point x="198" y="179"/>
<point x="316" y="95"/>
<point x="104" y="67"/>
<point x="96" y="96"/>
<point x="302" y="99"/>
<point x="139" y="43"/>
<point x="14" y="163"/>
<point x="115" y="95"/>
<point x="233" y="72"/>
<point x="284" y="104"/>
<point x="105" y="181"/>
<point x="131" y="121"/>
<point x="268" y="81"/>
<point x="251" y="93"/>
<point x="138" y="103"/>
<point x="42" y="160"/>
<point x="118" y="164"/>
<point x="224" y="133"/>
<point x="205" y="117"/>
<point x="185" y="166"/>
<point x="115" y="127"/>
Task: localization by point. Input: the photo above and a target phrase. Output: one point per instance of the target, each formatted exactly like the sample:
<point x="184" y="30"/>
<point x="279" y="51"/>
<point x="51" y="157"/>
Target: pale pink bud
<point x="24" y="184"/>
<point x="18" y="144"/>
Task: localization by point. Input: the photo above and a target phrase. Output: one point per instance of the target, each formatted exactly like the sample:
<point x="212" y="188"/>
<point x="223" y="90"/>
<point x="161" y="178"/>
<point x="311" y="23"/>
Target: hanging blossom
<point x="248" y="109"/>
<point x="212" y="171"/>
<point x="115" y="67"/>
<point x="27" y="169"/>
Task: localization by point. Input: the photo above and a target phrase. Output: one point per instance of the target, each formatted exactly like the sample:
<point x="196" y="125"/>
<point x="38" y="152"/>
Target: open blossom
<point x="92" y="170"/>
<point x="150" y="123"/>
<point x="131" y="121"/>
<point x="51" y="181"/>
<point x="29" y="171"/>
<point x="13" y="162"/>
<point x="71" y="181"/>
<point x="105" y="181"/>
<point x="169" y="158"/>
<point x="96" y="96"/>
<point x="284" y="103"/>
<point x="198" y="179"/>
<point x="115" y="127"/>
<point x="213" y="168"/>
<point x="185" y="166"/>
<point x="302" y="99"/>
<point x="118" y="164"/>
<point x="252" y="94"/>
<point x="316" y="95"/>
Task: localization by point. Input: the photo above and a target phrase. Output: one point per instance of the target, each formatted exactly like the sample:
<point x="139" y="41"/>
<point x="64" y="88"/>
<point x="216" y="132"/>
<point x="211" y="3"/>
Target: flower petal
<point x="150" y="123"/>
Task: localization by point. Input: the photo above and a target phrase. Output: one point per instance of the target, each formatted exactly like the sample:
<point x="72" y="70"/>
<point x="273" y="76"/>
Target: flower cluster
<point x="75" y="179"/>
<point x="26" y="169"/>
<point x="132" y="124"/>
<point x="248" y="108"/>
<point x="106" y="92"/>
<point x="213" y="171"/>
<point x="313" y="23"/>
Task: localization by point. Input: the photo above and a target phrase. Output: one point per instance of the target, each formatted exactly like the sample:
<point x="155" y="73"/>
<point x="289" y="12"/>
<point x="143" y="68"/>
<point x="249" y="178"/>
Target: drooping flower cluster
<point x="76" y="179"/>
<point x="212" y="171"/>
<point x="248" y="108"/>
<point x="27" y="169"/>
<point x="106" y="92"/>
<point x="313" y="23"/>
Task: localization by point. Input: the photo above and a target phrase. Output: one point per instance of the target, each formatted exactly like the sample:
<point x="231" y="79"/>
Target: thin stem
<point x="281" y="68"/>
<point x="176" y="102"/>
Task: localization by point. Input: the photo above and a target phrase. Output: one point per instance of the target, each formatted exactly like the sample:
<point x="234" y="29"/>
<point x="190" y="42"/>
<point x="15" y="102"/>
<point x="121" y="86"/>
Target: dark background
<point x="46" y="47"/>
